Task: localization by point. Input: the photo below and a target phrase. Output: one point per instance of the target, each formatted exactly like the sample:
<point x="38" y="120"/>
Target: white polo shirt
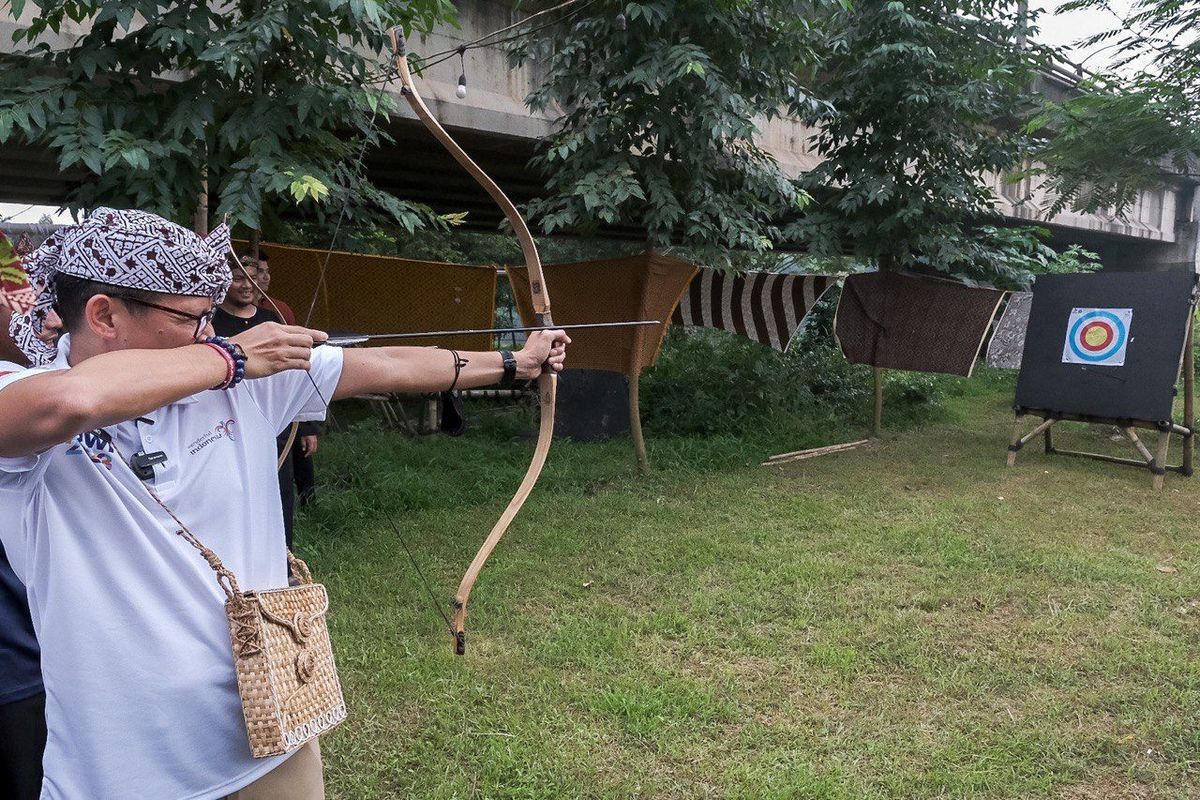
<point x="141" y="695"/>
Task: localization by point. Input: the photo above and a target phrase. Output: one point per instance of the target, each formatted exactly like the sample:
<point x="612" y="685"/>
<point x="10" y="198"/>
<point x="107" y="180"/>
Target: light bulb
<point x="461" y="91"/>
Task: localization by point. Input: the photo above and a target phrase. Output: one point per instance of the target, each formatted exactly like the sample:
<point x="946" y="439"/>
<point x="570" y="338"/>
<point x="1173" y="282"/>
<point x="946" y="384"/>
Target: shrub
<point x="710" y="382"/>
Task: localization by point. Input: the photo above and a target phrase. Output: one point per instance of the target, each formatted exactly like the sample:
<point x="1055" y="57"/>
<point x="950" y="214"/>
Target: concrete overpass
<point x="493" y="124"/>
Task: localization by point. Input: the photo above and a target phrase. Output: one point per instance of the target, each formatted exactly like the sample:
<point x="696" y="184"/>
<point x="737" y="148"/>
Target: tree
<point x="922" y="100"/>
<point x="1139" y="119"/>
<point x="660" y="109"/>
<point x="256" y="102"/>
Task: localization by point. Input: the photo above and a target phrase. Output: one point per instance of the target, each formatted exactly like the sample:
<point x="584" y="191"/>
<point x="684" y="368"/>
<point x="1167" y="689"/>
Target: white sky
<point x="1065" y="30"/>
<point x="23" y="212"/>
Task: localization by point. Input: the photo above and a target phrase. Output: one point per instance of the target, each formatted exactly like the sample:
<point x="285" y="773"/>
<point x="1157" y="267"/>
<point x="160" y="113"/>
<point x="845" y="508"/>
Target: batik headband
<point x="130" y="249"/>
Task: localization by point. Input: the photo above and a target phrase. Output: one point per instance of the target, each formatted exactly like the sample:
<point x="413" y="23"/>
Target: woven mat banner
<point x="18" y="301"/>
<point x="1106" y="345"/>
<point x="16" y="294"/>
<point x="903" y="322"/>
<point x="645" y="286"/>
<point x="764" y="307"/>
<point x="1008" y="337"/>
<point x="381" y="294"/>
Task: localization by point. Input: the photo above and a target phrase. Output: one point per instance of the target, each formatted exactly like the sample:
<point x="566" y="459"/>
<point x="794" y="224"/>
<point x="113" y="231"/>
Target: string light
<point x="461" y="90"/>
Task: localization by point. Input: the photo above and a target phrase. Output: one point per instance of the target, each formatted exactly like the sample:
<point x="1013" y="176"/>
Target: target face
<point x="1097" y="336"/>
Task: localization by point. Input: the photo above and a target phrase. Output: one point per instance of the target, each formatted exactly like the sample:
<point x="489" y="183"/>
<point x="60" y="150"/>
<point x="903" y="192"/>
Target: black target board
<point x="1106" y="345"/>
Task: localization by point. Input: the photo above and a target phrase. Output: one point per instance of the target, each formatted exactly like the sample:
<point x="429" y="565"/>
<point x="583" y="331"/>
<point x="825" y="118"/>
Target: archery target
<point x="1097" y="336"/>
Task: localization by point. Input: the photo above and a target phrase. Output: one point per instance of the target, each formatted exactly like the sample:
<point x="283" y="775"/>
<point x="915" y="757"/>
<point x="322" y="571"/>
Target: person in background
<point x="263" y="278"/>
<point x="308" y="435"/>
<point x="22" y="696"/>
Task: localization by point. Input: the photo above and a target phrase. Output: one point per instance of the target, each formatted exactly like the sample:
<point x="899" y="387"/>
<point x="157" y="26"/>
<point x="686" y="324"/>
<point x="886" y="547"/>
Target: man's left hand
<point x="542" y="347"/>
<point x="309" y="445"/>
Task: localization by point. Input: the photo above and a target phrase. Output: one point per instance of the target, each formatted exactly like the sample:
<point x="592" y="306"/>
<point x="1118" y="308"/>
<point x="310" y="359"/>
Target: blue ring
<point x="1118" y="328"/>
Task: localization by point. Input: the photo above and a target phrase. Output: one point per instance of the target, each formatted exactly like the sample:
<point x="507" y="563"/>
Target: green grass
<point x="908" y="620"/>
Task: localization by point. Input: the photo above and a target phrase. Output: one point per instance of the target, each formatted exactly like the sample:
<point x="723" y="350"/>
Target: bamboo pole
<point x="1160" y="459"/>
<point x="1137" y="443"/>
<point x="635" y="424"/>
<point x="801" y="455"/>
<point x="817" y="450"/>
<point x="635" y="376"/>
<point x="1014" y="443"/>
<point x="1189" y="396"/>
<point x="200" y="217"/>
<point x="877" y="417"/>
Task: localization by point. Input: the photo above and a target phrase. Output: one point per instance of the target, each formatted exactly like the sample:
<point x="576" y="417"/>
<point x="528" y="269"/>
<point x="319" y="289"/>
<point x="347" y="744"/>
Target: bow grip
<point x="544" y="320"/>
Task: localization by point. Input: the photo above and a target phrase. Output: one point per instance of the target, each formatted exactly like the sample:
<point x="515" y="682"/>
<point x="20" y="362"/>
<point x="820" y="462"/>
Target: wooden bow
<point x="547" y="382"/>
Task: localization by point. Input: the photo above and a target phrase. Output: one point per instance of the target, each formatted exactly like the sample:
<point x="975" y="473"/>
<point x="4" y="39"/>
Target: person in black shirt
<point x="239" y="313"/>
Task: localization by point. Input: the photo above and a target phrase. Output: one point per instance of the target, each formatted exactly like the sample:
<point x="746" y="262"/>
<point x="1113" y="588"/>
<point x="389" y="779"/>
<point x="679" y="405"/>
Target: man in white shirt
<point x="142" y="697"/>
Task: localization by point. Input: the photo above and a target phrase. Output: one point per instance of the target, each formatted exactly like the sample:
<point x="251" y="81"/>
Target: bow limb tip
<point x="399" y="43"/>
<point x="460" y="627"/>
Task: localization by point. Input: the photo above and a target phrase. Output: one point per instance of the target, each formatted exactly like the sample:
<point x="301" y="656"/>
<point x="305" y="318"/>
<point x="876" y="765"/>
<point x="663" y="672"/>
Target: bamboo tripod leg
<point x="1143" y="451"/>
<point x="1019" y="441"/>
<point x="1159" y="465"/>
<point x="1014" y="443"/>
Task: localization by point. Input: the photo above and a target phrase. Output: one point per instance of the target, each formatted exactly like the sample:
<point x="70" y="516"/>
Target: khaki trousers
<point x="301" y="777"/>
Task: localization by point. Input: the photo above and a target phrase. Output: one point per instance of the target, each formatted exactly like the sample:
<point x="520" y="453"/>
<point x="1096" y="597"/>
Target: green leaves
<point x="920" y="104"/>
<point x="307" y="187"/>
<point x="266" y="104"/>
<point x="658" y="120"/>
<point x="1106" y="145"/>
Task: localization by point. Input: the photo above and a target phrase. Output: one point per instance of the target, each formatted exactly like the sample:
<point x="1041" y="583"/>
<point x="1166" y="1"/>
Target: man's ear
<point x="100" y="316"/>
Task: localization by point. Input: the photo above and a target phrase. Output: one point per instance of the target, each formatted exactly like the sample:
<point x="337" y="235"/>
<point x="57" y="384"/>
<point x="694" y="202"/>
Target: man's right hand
<point x="271" y="348"/>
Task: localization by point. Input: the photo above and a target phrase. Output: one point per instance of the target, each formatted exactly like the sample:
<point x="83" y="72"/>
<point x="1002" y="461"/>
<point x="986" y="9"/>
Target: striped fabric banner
<point x="762" y="306"/>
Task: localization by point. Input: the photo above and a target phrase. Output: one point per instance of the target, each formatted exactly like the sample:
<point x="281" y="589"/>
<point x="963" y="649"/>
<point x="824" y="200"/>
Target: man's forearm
<point x="44" y="410"/>
<point x="414" y="370"/>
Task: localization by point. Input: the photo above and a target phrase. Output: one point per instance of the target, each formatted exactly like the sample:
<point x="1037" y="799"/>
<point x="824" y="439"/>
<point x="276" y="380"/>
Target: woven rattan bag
<point x="284" y="660"/>
<point x="281" y="651"/>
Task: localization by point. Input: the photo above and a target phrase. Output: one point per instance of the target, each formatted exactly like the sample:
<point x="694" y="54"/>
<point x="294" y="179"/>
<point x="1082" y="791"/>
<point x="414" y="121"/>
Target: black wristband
<point x="459" y="363"/>
<point x="510" y="368"/>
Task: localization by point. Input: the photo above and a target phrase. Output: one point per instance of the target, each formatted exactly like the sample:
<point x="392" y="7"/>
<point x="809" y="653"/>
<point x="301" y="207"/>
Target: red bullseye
<point x="1096" y="336"/>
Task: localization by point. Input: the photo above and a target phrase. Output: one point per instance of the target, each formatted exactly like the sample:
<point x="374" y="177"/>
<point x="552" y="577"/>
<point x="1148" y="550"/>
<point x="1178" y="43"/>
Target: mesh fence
<point x="369" y="294"/>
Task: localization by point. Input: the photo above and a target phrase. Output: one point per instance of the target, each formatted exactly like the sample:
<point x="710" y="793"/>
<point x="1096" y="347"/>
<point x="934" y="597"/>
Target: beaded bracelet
<point x="235" y="361"/>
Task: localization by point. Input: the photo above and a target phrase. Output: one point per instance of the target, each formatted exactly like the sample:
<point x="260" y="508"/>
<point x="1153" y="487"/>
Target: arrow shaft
<point x="347" y="341"/>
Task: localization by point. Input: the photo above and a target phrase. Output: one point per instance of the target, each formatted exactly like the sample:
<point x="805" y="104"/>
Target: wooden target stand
<point x="1155" y="461"/>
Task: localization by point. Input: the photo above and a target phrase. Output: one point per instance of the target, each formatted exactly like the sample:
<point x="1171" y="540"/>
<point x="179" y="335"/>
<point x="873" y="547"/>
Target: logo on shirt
<point x="226" y="429"/>
<point x="222" y="430"/>
<point x="96" y="445"/>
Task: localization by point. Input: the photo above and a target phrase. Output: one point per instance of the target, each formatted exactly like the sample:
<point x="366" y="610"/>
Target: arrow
<point x="350" y="341"/>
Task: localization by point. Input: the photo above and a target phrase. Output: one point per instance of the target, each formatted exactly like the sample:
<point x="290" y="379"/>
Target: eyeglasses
<point x="202" y="320"/>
